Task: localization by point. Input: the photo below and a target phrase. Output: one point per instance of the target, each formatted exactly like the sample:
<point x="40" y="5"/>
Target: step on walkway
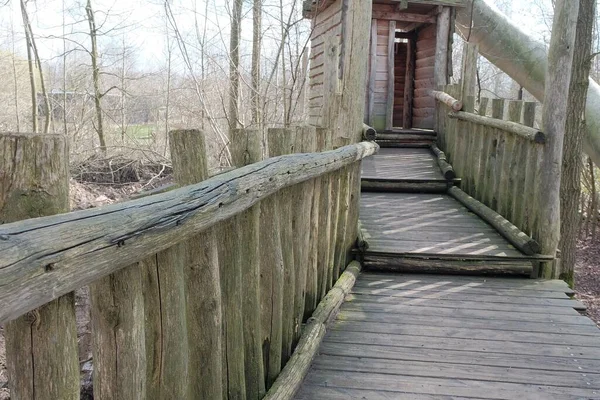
<point x="418" y="337"/>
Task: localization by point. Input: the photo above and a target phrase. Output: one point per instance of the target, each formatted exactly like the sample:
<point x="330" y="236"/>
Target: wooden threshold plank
<point x="310" y="392"/>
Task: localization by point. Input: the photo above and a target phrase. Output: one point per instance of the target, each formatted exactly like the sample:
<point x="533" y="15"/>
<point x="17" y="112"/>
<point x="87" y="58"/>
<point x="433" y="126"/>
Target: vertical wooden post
<point x="247" y="149"/>
<point x="496" y="155"/>
<point x="479" y="148"/>
<point x="281" y="141"/>
<point x="41" y="346"/>
<point x="531" y="165"/>
<point x="409" y="83"/>
<point x="271" y="285"/>
<point x="305" y="142"/>
<point x="389" y="115"/>
<point x="517" y="152"/>
<point x="229" y="238"/>
<point x="373" y="73"/>
<point x="342" y="216"/>
<point x="118" y="331"/>
<point x="313" y="277"/>
<point x="441" y="47"/>
<point x="201" y="274"/>
<point x="323" y="144"/>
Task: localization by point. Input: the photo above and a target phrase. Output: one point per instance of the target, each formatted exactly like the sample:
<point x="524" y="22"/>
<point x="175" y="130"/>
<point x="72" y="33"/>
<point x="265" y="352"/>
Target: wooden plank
<point x="434" y="301"/>
<point x="470" y="314"/>
<point x="516" y="361"/>
<point x="327" y="363"/>
<point x="441" y="52"/>
<point x="447" y="387"/>
<point x="484" y="346"/>
<point x="468" y="323"/>
<point x="311" y="392"/>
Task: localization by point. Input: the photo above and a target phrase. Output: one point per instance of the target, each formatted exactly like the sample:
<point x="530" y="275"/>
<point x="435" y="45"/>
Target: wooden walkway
<point x="418" y="336"/>
<point x="446" y="337"/>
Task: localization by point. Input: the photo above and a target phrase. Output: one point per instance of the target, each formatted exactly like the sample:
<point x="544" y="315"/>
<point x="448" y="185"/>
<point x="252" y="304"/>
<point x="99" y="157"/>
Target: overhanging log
<point x="369" y="133"/>
<point x="523" y="58"/>
<point x="526" y="132"/>
<point x="41" y="259"/>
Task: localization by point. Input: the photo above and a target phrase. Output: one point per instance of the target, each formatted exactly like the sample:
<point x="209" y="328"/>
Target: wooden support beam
<point x="389" y="13"/>
<point x="391" y="58"/>
<point x="526" y="132"/>
<point x="369" y="133"/>
<point x="409" y="82"/>
<point x="443" y="97"/>
<point x="442" y="46"/>
<point x="513" y="234"/>
<point x="372" y="73"/>
<point x="445" y="167"/>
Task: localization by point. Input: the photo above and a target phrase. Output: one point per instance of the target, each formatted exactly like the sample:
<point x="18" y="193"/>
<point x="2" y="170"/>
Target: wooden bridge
<point x="261" y="282"/>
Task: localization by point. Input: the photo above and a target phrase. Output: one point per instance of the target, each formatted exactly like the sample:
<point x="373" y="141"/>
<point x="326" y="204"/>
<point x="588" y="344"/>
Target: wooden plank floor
<point x="447" y="337"/>
<point x="402" y="164"/>
<point x="428" y="224"/>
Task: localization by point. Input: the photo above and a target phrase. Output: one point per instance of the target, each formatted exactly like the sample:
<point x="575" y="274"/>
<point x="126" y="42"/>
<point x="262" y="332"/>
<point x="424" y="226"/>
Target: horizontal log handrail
<point x="524" y="131"/>
<point x="443" y="97"/>
<point x="44" y="258"/>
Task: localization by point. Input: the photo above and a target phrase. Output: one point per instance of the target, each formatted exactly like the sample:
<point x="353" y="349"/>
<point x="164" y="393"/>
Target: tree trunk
<point x="524" y="59"/>
<point x="256" y="49"/>
<point x="96" y="75"/>
<point x="570" y="190"/>
<point x="234" y="63"/>
<point x="34" y="109"/>
<point x="558" y="80"/>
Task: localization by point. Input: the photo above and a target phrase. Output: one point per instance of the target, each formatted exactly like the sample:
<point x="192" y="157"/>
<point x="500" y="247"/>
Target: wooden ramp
<point x="453" y="337"/>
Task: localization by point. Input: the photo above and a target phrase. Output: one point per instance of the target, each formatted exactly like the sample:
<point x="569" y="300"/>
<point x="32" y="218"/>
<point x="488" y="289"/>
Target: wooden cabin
<point x="410" y="50"/>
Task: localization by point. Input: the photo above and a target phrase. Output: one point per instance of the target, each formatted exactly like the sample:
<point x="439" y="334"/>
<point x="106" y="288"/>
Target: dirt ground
<point x="587" y="277"/>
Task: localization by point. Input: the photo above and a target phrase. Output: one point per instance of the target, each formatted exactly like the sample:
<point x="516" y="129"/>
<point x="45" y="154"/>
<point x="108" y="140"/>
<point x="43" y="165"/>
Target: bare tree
<point x="234" y="64"/>
<point x="96" y="75"/>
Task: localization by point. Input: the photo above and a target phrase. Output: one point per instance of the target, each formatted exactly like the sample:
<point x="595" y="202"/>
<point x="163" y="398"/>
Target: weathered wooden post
<point x="281" y="142"/>
<point x="531" y="166"/>
<point x="305" y="142"/>
<point x="246" y="149"/>
<point x="517" y="152"/>
<point x="41" y="346"/>
<point x="271" y="287"/>
<point x="342" y="215"/>
<point x="323" y="144"/>
<point x="202" y="279"/>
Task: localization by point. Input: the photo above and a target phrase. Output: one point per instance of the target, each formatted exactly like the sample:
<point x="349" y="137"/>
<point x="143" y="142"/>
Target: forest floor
<point x="587" y="277"/>
<point x="88" y="195"/>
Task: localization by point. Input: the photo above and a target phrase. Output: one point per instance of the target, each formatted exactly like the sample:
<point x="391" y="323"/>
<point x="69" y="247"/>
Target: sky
<point x="142" y="24"/>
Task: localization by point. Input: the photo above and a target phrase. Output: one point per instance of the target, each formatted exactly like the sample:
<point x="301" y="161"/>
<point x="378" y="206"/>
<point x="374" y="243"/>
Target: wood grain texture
<point x="41" y="346"/>
<point x="420" y="340"/>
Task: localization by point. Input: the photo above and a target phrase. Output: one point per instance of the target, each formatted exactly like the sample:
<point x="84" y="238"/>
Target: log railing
<point x="497" y="155"/>
<point x="199" y="292"/>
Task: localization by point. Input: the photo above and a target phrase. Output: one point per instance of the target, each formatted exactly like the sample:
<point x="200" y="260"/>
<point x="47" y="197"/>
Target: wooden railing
<point x="496" y="154"/>
<point x="199" y="292"/>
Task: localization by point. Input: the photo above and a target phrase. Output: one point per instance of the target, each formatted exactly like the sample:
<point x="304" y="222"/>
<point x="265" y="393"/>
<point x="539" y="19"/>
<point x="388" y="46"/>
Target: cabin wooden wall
<point x="424" y="104"/>
<point x="327" y="26"/>
<point x="400" y="62"/>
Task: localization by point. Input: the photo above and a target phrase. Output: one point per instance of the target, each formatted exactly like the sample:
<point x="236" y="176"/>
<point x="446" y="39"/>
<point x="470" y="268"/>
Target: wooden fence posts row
<point x="215" y="316"/>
